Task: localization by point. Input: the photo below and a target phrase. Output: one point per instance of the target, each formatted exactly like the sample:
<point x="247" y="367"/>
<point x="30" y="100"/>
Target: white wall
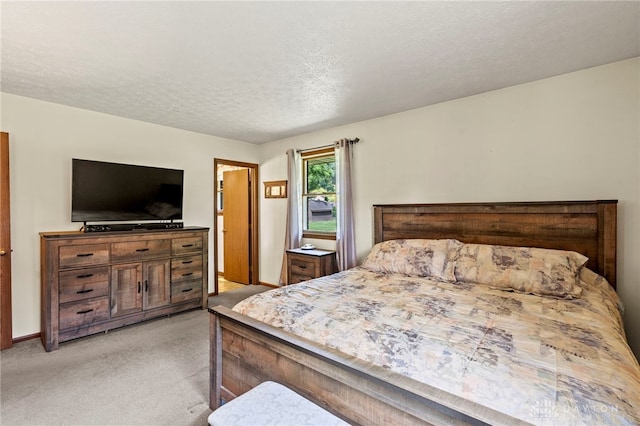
<point x="571" y="137"/>
<point x="43" y="138"/>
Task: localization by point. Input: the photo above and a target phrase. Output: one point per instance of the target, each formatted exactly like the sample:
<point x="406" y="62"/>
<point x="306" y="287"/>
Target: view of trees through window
<point x="320" y="193"/>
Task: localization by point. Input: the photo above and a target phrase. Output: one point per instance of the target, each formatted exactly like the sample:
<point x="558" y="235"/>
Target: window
<point x="319" y="194"/>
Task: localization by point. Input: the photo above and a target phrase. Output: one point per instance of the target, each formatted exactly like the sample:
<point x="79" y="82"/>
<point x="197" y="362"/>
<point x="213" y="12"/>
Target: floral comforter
<point x="540" y="359"/>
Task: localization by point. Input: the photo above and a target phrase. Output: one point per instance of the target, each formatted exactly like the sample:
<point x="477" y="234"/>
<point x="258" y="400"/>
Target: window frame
<point x="306" y="156"/>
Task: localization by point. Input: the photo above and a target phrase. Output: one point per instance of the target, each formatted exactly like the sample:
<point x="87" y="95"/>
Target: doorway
<point x="235" y="238"/>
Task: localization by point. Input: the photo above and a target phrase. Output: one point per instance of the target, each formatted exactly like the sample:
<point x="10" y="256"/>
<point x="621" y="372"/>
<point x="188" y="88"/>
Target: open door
<point x="236" y="190"/>
<point x="6" y="336"/>
<point x="237" y="226"/>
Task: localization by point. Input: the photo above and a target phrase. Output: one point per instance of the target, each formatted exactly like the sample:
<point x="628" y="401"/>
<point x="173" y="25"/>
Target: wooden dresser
<point x="304" y="265"/>
<point x="93" y="282"/>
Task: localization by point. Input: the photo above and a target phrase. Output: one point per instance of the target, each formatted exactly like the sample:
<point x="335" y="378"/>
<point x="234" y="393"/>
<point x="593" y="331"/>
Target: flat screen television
<point x="106" y="192"/>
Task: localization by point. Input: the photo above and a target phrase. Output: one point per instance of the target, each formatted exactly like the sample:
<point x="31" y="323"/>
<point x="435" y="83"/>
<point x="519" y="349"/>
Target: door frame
<point x="6" y="323"/>
<point x="254" y="231"/>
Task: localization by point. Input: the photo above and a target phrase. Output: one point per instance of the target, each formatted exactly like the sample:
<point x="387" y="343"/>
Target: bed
<point x="361" y="389"/>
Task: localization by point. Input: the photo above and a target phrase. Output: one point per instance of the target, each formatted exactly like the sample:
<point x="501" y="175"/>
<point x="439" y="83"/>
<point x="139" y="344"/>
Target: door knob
<point x="2" y="252"/>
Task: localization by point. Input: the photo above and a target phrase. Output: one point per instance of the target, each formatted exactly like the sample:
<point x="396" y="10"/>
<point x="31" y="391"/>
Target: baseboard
<point x="25" y="338"/>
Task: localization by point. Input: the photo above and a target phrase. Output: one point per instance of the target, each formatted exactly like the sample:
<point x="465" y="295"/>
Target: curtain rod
<point x="356" y="140"/>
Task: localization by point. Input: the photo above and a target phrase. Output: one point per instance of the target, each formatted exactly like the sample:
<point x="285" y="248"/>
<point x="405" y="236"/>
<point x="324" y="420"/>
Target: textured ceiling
<point x="262" y="71"/>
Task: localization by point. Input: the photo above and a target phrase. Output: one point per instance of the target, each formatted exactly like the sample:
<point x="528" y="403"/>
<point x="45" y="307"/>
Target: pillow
<point x="416" y="257"/>
<point x="590" y="280"/>
<point x="543" y="272"/>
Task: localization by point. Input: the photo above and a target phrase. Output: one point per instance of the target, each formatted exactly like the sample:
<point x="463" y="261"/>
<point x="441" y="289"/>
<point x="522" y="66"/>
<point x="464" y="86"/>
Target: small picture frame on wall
<point x="275" y="189"/>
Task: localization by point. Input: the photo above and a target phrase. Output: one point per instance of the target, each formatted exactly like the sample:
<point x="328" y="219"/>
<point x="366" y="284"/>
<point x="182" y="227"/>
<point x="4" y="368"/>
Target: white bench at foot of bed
<point x="271" y="403"/>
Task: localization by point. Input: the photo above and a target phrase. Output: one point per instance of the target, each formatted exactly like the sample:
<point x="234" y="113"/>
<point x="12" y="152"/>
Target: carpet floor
<point x="152" y="373"/>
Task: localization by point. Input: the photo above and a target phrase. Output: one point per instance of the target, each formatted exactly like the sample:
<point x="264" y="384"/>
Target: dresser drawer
<point x="302" y="265"/>
<point x="187" y="290"/>
<point x="297" y="278"/>
<point x="140" y="250"/>
<point x="83" y="276"/>
<point x="83" y="313"/>
<point x="83" y="255"/>
<point x="186" y="268"/>
<point x="186" y="245"/>
<point x="83" y="284"/>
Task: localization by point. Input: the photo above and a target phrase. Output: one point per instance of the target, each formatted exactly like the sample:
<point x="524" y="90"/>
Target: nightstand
<point x="304" y="265"/>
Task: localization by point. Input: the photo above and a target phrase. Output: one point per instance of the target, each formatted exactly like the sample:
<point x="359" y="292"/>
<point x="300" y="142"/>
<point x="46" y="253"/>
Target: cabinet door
<point x="157" y="284"/>
<point x="126" y="289"/>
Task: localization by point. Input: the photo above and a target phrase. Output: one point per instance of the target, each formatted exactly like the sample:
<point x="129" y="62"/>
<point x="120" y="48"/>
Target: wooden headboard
<point x="587" y="227"/>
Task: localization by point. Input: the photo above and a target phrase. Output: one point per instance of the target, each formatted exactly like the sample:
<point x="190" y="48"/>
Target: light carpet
<point x="152" y="373"/>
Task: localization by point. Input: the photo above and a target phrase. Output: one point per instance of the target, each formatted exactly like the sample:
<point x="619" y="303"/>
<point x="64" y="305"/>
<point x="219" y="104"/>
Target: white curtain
<point x="293" y="235"/>
<point x="345" y="235"/>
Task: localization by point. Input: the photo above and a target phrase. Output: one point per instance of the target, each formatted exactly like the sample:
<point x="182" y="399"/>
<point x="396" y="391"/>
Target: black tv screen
<point x="103" y="191"/>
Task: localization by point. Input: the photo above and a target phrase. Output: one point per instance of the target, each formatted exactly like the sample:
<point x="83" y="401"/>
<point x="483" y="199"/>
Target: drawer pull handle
<point x="139" y="288"/>
<point x="187" y="290"/>
<point x="142" y="249"/>
<point x="84" y="254"/>
<point x="84" y="276"/>
<point x="186" y="262"/>
<point x="89" y="290"/>
<point x="146" y="285"/>
<point x="302" y="266"/>
<point x="86" y="311"/>
<point x="187" y="274"/>
<point x="187" y="245"/>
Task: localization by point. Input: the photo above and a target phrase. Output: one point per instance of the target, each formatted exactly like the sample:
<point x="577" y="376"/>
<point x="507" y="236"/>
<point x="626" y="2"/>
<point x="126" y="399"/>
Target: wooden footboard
<point x="245" y="352"/>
